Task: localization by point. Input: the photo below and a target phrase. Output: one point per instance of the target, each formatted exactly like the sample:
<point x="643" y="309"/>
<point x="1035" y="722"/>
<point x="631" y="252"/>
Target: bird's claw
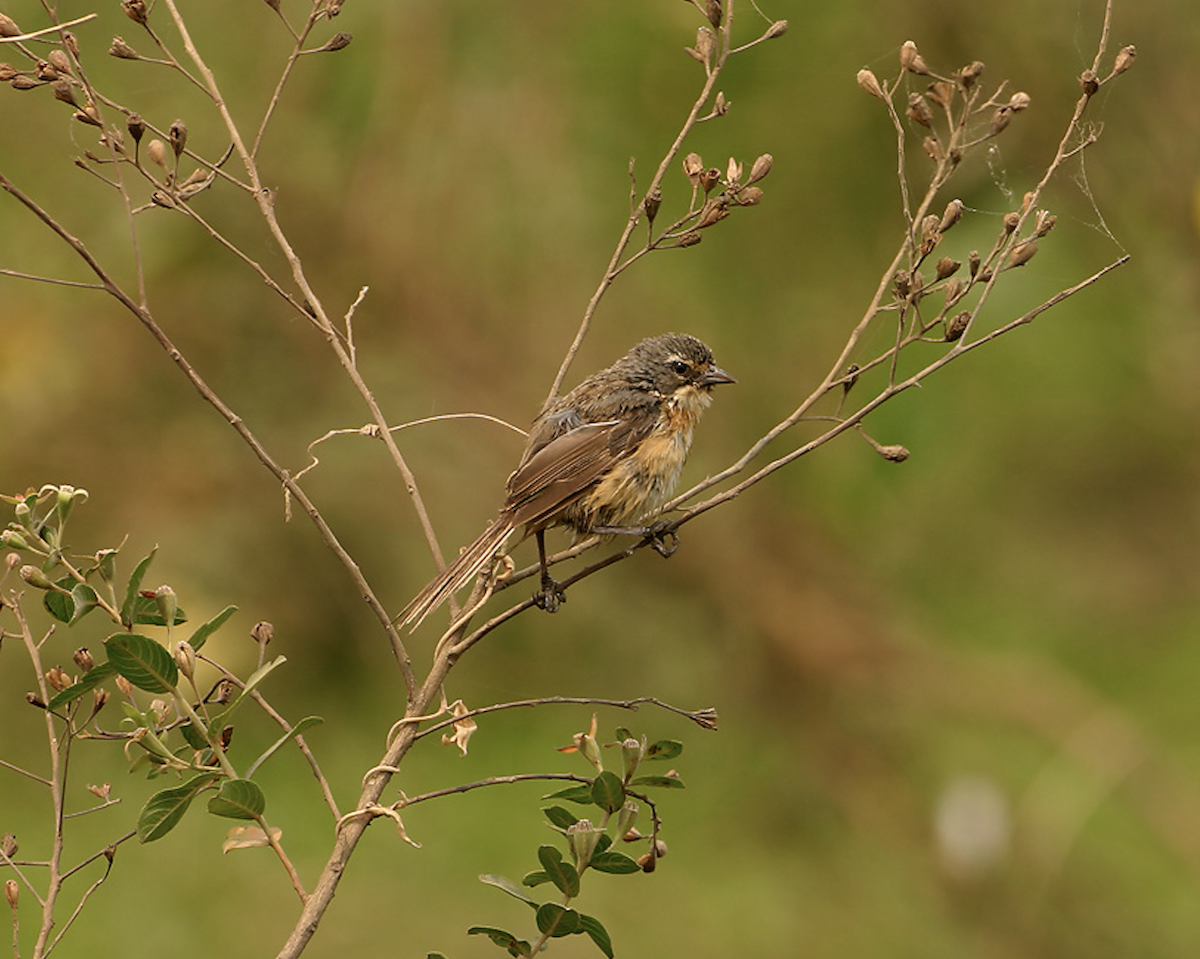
<point x="662" y="539"/>
<point x="550" y="596"/>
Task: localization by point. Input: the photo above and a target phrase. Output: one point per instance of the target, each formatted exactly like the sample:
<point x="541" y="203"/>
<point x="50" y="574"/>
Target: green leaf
<point x="510" y="887"/>
<point x="607" y="791"/>
<point x="238" y="799"/>
<point x="146" y="612"/>
<point x="623" y="733"/>
<point x="85" y="600"/>
<point x="305" y="723"/>
<point x="666" y="782"/>
<point x="581" y="794"/>
<point x="131" y="591"/>
<point x="562" y="874"/>
<point x="90" y="680"/>
<point x="664" y="749"/>
<point x="204" y="630"/>
<point x="613" y="862"/>
<point x="193" y="736"/>
<point x="591" y="925"/>
<point x="535" y="878"/>
<point x="59" y="605"/>
<point x="560" y="816"/>
<point x="502" y="938"/>
<point x="557" y="920"/>
<point x="165" y="808"/>
<point x="142" y="661"/>
<point x="434" y="955"/>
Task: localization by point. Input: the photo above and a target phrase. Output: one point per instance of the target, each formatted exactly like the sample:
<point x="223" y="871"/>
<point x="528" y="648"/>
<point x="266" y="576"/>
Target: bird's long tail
<point x="458" y="573"/>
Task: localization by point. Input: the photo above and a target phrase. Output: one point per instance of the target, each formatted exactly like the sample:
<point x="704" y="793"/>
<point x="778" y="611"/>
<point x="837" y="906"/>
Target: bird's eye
<point x="679" y="367"/>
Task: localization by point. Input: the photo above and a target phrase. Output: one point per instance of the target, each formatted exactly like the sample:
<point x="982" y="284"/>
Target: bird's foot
<point x="663" y="539"/>
<point x="550" y="596"/>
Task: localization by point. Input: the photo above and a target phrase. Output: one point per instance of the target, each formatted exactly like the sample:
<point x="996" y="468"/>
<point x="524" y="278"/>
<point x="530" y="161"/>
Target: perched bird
<point x="601" y="459"/>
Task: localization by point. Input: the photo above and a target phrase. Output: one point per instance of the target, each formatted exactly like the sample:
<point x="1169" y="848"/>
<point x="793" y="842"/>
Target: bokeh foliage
<point x="1017" y="603"/>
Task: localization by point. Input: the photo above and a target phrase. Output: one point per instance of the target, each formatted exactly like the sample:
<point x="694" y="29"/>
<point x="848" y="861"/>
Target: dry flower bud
<point x="892" y="452"/>
<point x="84" y="659"/>
<point x="973" y="262"/>
<point x="45" y="70"/>
<point x="870" y="83"/>
<point x="1010" y="221"/>
<point x="22" y="82"/>
<point x="125" y="686"/>
<point x="135" y="10"/>
<point x="61" y="62"/>
<point x="706" y="43"/>
<point x="954" y="287"/>
<point x="714" y="210"/>
<point x="970" y="73"/>
<point x="947" y="266"/>
<point x="693" y="167"/>
<point x="136" y="127"/>
<point x="750" y="196"/>
<point x="99" y="700"/>
<point x="1022" y="253"/>
<point x="933" y="147"/>
<point x="1045" y="223"/>
<point x="660" y="848"/>
<point x="710" y="178"/>
<point x="338" y="41"/>
<point x="689" y="239"/>
<point x="733" y="171"/>
<point x="157" y="151"/>
<point x="262" y="632"/>
<point x="956" y="326"/>
<point x="62" y="91"/>
<point x="651" y="203"/>
<point x="1125" y="58"/>
<point x="918" y="110"/>
<point x="101" y="792"/>
<point x="930" y="234"/>
<point x="712" y="10"/>
<point x="88" y="114"/>
<point x="71" y="43"/>
<point x="761" y="167"/>
<point x="333" y="8"/>
<point x="1088" y="81"/>
<point x="57" y="679"/>
<point x="177" y="134"/>
<point x="7" y="72"/>
<point x="911" y="60"/>
<point x="12" y="892"/>
<point x="776" y="29"/>
<point x="8" y="26"/>
<point x="1000" y="120"/>
<point x="902" y="283"/>
<point x="8" y="844"/>
<point x="720" y="104"/>
<point x="1019" y="101"/>
<point x="952" y="214"/>
<point x="941" y="92"/>
<point x="850" y="377"/>
<point x="119" y="48"/>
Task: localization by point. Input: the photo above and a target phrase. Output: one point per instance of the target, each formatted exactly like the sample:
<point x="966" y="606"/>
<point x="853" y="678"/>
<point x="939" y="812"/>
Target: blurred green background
<point x="958" y="696"/>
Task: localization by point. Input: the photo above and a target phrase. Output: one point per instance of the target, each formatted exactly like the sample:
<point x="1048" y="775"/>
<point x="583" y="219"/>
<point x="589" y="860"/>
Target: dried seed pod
<point x="651" y="203"/>
<point x="1019" y="101"/>
<point x="956" y="326"/>
<point x="870" y="83"/>
<point x="911" y="60"/>
<point x="930" y="234"/>
<point x="136" y="127"/>
<point x="83" y="659"/>
<point x="22" y="82"/>
<point x="712" y="10"/>
<point x="1125" y="57"/>
<point x="1089" y="82"/>
<point x="62" y="91"/>
<point x="776" y="29"/>
<point x="157" y="151"/>
<point x="1010" y="221"/>
<point x="693" y="168"/>
<point x="970" y="73"/>
<point x="761" y="167"/>
<point x="135" y="10"/>
<point x="947" y="266"/>
<point x="262" y="632"/>
<point x="892" y="452"/>
<point x="710" y="179"/>
<point x="749" y="196"/>
<point x="61" y="62"/>
<point x="7" y="72"/>
<point x="689" y="239"/>
<point x="119" y="48"/>
<point x="338" y="41"/>
<point x="918" y="110"/>
<point x="1000" y="120"/>
<point x="706" y="43"/>
<point x="733" y="171"/>
<point x="973" y="262"/>
<point x="1045" y="223"/>
<point x="1022" y="253"/>
<point x="952" y="214"/>
<point x="933" y="147"/>
<point x="851" y="377"/>
<point x="8" y="26"/>
<point x="902" y="283"/>
<point x="714" y="210"/>
<point x="954" y="287"/>
<point x="720" y="104"/>
<point x="941" y="92"/>
<point x="57" y="679"/>
<point x="45" y="70"/>
<point x="177" y="135"/>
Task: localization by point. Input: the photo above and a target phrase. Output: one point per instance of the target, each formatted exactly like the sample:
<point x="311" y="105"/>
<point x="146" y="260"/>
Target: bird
<point x="602" y="459"/>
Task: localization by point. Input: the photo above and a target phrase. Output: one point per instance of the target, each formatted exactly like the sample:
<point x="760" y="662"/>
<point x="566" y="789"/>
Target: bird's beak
<point x="715" y="375"/>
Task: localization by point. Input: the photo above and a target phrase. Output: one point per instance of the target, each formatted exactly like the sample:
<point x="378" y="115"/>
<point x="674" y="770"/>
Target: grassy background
<point x="1015" y="607"/>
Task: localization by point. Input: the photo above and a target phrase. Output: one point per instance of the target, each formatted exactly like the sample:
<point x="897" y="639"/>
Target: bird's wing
<point x="562" y="469"/>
